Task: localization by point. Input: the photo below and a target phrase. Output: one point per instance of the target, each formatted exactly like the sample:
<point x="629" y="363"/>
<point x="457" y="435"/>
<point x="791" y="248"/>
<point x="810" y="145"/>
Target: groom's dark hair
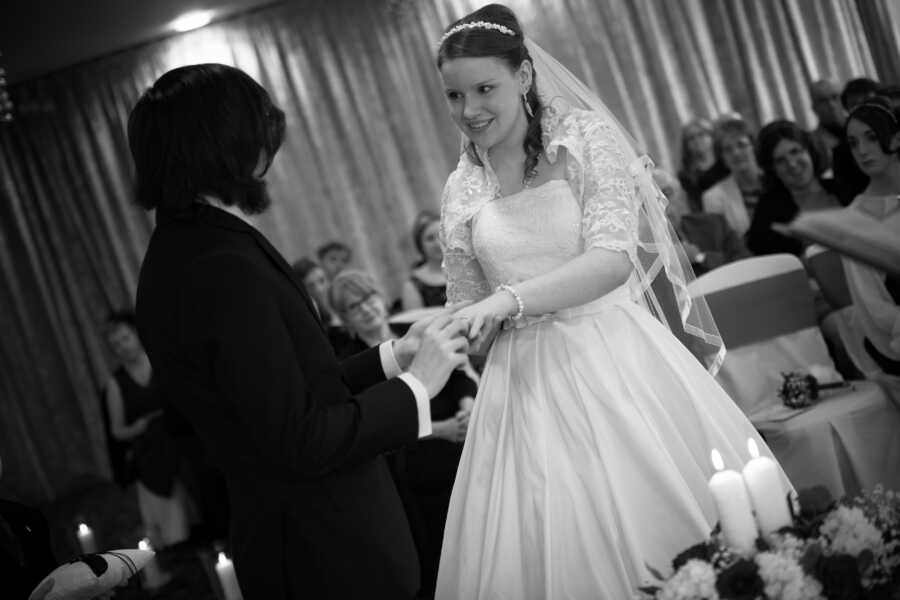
<point x="202" y="129"/>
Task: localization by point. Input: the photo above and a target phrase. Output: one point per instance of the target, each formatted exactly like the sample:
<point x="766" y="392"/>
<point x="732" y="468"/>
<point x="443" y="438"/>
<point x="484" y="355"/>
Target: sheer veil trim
<point x="662" y="270"/>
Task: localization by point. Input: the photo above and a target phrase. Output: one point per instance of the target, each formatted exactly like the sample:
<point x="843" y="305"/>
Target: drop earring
<point x="528" y="109"/>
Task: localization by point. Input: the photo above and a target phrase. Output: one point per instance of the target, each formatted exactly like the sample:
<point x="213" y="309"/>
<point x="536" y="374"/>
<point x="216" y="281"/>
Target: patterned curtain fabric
<point x="368" y="145"/>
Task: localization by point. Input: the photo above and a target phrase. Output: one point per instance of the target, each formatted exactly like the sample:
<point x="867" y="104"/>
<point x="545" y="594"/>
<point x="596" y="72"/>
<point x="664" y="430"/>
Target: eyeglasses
<point x="354" y="307"/>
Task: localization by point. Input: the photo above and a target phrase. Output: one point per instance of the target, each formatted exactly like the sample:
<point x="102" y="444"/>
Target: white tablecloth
<point x="848" y="441"/>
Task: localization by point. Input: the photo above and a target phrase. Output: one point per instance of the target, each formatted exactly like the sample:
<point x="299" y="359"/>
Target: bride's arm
<point x="584" y="278"/>
<point x="580" y="280"/>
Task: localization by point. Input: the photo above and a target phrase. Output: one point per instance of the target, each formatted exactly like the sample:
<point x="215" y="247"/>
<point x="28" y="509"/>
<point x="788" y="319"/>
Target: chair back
<point x="765" y="312"/>
<point x="758" y="298"/>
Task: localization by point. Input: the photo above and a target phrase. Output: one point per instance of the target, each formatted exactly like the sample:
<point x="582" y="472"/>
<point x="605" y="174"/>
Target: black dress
<point x="694" y="184"/>
<point x="424" y="473"/>
<point x="155" y="459"/>
<point x="776" y="205"/>
<point x="432" y="295"/>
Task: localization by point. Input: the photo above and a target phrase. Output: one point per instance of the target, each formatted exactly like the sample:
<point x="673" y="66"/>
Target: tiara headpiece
<point x="477" y="25"/>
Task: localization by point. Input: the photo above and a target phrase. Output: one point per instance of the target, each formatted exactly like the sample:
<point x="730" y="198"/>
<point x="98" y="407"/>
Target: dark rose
<point x="814" y="501"/>
<point x="839" y="576"/>
<point x="699" y="551"/>
<point x="740" y="581"/>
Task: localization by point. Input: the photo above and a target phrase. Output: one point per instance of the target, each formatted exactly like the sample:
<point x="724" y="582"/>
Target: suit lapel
<point x="275" y="256"/>
<point x="221" y="218"/>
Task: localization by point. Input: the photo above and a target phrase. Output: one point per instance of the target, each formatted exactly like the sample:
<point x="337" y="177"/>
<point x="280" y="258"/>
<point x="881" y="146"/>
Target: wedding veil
<point x="662" y="270"/>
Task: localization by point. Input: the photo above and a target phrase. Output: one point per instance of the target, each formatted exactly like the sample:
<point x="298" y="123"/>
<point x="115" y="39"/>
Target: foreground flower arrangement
<point x="848" y="550"/>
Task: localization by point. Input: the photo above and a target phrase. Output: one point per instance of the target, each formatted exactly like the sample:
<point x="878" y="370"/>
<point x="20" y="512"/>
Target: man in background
<point x="825" y="96"/>
<point x="334" y="257"/>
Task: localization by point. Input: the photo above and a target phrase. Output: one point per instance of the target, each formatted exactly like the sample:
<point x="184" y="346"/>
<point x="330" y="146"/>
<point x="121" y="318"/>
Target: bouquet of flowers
<point x="835" y="551"/>
<point x="799" y="390"/>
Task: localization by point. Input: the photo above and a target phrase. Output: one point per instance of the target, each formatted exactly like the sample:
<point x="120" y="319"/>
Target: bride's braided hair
<point x="482" y="41"/>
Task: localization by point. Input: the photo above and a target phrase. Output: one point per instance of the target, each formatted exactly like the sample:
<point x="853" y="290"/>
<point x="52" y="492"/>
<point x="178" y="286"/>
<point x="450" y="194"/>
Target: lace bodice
<point x="531" y="232"/>
<point x="528" y="233"/>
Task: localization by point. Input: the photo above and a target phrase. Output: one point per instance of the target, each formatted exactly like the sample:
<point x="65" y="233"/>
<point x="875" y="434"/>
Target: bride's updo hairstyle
<point x="480" y="41"/>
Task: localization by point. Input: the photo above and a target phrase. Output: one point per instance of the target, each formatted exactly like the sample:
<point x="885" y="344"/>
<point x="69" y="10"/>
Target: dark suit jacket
<point x="239" y="350"/>
<point x="712" y="235"/>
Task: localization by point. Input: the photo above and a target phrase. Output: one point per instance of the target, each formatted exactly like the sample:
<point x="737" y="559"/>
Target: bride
<point x="588" y="452"/>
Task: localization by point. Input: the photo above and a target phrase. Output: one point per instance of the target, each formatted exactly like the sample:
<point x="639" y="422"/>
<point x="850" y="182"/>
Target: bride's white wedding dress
<point x="588" y="451"/>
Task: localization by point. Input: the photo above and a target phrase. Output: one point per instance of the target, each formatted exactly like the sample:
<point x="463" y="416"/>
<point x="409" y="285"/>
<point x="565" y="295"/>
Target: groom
<point x="237" y="345"/>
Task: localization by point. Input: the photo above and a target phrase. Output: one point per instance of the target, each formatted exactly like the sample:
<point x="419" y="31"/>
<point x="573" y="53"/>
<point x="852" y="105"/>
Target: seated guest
<point x="873" y="134"/>
<point x="846" y="172"/>
<point x="334" y="257"/>
<point x="135" y="409"/>
<point x="699" y="168"/>
<point x="707" y="239"/>
<point x="316" y="284"/>
<point x="790" y="163"/>
<point x="825" y="96"/>
<point x="427" y="285"/>
<point x="425" y="471"/>
<point x="736" y="196"/>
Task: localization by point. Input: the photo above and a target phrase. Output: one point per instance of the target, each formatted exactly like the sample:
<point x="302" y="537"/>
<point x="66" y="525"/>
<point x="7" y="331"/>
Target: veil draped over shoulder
<point x="661" y="266"/>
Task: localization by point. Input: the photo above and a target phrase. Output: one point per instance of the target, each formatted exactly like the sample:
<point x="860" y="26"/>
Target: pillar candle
<point x="225" y="570"/>
<point x="152" y="574"/>
<point x="86" y="539"/>
<point x="767" y="492"/>
<point x="733" y="504"/>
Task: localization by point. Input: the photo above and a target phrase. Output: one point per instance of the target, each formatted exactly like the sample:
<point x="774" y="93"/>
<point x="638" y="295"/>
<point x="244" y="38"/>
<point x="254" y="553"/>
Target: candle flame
<point x="752" y="448"/>
<point x="144" y="544"/>
<point x="717" y="461"/>
<point x="223" y="560"/>
<point x="83" y="529"/>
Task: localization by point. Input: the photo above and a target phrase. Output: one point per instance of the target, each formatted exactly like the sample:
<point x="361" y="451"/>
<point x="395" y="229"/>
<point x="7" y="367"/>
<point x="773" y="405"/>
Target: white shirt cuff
<point x="389" y="363"/>
<point x="423" y="402"/>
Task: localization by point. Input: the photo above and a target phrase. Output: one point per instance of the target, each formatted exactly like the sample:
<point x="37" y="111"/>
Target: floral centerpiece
<point x="835" y="551"/>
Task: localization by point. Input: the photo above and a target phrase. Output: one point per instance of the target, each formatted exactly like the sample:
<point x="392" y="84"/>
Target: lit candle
<point x="735" y="512"/>
<point x="153" y="576"/>
<point x="225" y="570"/>
<point x="86" y="539"/>
<point x="767" y="492"/>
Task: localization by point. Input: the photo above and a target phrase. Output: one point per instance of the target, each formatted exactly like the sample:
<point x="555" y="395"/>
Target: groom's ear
<point x="525" y="74"/>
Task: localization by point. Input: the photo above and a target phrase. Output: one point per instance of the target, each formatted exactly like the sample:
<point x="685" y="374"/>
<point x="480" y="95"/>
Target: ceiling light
<point x="192" y="20"/>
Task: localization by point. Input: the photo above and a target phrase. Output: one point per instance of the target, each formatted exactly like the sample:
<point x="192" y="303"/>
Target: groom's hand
<point x="442" y="349"/>
<point x="406" y="347"/>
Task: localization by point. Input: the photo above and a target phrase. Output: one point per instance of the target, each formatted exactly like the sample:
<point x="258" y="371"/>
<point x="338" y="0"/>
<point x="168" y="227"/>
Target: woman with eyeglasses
<point x="424" y="471"/>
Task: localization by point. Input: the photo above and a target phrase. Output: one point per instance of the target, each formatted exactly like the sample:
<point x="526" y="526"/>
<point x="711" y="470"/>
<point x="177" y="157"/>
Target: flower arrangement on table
<point x="848" y="550"/>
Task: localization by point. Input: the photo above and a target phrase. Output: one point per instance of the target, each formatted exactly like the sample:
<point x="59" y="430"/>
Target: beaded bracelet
<point x="521" y="305"/>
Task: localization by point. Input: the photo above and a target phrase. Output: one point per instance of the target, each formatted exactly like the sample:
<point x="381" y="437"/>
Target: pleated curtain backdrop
<point x="368" y="144"/>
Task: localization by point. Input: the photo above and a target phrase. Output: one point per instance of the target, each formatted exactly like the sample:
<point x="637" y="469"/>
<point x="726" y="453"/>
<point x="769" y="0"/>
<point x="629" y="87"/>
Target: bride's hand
<point x="487" y="314"/>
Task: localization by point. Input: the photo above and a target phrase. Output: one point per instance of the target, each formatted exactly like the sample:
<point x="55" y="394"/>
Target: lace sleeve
<point x="609" y="209"/>
<point x="465" y="279"/>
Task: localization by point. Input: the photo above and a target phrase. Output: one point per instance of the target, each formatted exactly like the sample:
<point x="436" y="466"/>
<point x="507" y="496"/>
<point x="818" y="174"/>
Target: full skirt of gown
<point x="587" y="458"/>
